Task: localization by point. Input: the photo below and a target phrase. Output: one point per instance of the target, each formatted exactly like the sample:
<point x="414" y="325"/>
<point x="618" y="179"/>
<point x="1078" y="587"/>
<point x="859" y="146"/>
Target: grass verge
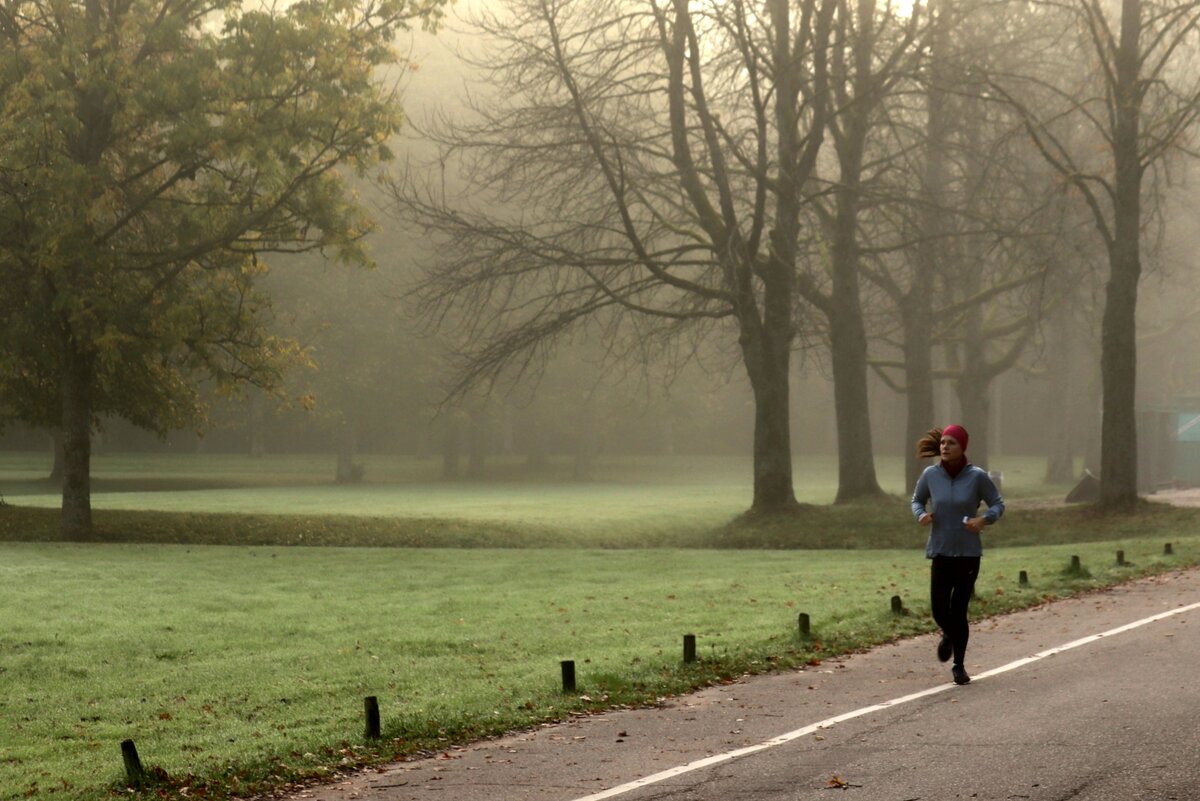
<point x="241" y="669"/>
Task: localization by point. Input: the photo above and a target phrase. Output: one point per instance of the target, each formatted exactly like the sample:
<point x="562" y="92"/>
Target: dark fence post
<point x="371" y="708"/>
<point x="1023" y="579"/>
<point x="568" y="675"/>
<point x="897" y="605"/>
<point x="134" y="771"/>
<point x="805" y="624"/>
<point x="689" y="648"/>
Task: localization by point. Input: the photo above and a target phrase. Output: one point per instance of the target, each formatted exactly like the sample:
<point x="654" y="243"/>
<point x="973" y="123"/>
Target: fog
<point x="382" y="368"/>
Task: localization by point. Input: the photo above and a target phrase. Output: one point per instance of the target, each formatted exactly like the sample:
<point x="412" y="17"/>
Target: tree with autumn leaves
<point x="154" y="154"/>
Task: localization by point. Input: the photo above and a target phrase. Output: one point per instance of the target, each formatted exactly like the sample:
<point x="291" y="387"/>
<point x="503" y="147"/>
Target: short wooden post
<point x="1120" y="558"/>
<point x="897" y="605"/>
<point x="805" y="625"/>
<point x="1167" y="549"/>
<point x="568" y="675"/>
<point x="371" y="709"/>
<point x="134" y="772"/>
<point x="1023" y="579"/>
<point x="689" y="648"/>
<point x="1076" y="567"/>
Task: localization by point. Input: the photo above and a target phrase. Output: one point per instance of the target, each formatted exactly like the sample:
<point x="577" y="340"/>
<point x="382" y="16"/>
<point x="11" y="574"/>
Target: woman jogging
<point x="953" y="489"/>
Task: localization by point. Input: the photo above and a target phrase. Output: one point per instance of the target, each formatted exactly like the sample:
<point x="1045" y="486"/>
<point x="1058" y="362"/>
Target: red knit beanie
<point x="958" y="433"/>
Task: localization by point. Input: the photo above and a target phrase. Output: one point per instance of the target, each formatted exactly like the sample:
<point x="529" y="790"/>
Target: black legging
<point x="952" y="581"/>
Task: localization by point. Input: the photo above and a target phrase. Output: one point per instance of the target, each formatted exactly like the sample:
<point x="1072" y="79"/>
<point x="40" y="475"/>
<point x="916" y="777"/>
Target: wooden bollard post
<point x="805" y="625"/>
<point x="1076" y="567"/>
<point x="371" y="709"/>
<point x="1167" y="549"/>
<point x="1120" y="558"/>
<point x="1023" y="579"/>
<point x="897" y="605"/>
<point x="134" y="772"/>
<point x="568" y="675"/>
<point x="689" y="648"/>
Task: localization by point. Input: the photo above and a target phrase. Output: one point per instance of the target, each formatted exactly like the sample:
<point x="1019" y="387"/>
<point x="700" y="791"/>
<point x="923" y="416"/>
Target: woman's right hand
<point x="926" y="519"/>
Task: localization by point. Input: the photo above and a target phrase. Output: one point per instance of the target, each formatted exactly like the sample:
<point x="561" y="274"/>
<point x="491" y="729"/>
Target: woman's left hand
<point x="975" y="524"/>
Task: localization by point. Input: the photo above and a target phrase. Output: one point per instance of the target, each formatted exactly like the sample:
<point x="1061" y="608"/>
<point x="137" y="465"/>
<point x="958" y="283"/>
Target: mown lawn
<point x="649" y="493"/>
<point x="242" y="667"/>
<point x="630" y="502"/>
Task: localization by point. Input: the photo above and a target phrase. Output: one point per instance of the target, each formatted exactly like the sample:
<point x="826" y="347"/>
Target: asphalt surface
<point x="1106" y="719"/>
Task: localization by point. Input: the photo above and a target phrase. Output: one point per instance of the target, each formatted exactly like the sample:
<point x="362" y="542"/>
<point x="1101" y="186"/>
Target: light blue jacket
<point x="952" y="500"/>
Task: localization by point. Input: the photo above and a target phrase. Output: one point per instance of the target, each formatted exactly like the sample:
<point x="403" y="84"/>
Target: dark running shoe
<point x="945" y="647"/>
<point x="960" y="675"/>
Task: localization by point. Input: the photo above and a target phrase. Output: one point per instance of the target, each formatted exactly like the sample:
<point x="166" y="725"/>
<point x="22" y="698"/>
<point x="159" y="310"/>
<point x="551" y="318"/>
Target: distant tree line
<point x="940" y="182"/>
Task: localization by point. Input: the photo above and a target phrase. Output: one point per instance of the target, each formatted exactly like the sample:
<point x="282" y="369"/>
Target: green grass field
<point x="241" y="668"/>
<point x="630" y="501"/>
<point x="231" y="483"/>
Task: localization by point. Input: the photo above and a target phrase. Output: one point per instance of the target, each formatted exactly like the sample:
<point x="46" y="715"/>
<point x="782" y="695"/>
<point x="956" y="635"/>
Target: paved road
<point x="1110" y="718"/>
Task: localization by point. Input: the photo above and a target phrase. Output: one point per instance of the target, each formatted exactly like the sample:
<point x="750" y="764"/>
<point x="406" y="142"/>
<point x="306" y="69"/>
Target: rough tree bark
<point x="1118" y="333"/>
<point x="77" y="442"/>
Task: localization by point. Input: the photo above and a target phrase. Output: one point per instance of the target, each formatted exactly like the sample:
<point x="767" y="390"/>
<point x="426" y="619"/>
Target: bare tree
<point x="905" y="270"/>
<point x="961" y="253"/>
<point x="1103" y="129"/>
<point x="645" y="167"/>
<point x="873" y="53"/>
<point x="1003" y="261"/>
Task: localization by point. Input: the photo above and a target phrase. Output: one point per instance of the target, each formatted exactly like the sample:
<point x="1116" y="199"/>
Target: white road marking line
<point x="716" y="759"/>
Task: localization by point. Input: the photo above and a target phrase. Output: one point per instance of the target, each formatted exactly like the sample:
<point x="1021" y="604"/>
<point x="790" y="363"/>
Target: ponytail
<point x="929" y="445"/>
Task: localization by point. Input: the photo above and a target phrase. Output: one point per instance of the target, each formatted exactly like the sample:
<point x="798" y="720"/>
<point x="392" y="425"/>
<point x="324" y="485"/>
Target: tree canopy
<point x="153" y="153"/>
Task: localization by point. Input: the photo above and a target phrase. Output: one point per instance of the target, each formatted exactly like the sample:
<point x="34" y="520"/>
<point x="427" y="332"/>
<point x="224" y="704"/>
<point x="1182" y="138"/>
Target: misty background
<point x="382" y="367"/>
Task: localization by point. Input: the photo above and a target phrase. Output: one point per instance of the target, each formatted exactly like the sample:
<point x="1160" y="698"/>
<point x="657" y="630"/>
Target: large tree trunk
<point x="77" y="380"/>
<point x="1118" y="360"/>
<point x="767" y="361"/>
<point x="1093" y="419"/>
<point x="1118" y="366"/>
<point x="856" y="456"/>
